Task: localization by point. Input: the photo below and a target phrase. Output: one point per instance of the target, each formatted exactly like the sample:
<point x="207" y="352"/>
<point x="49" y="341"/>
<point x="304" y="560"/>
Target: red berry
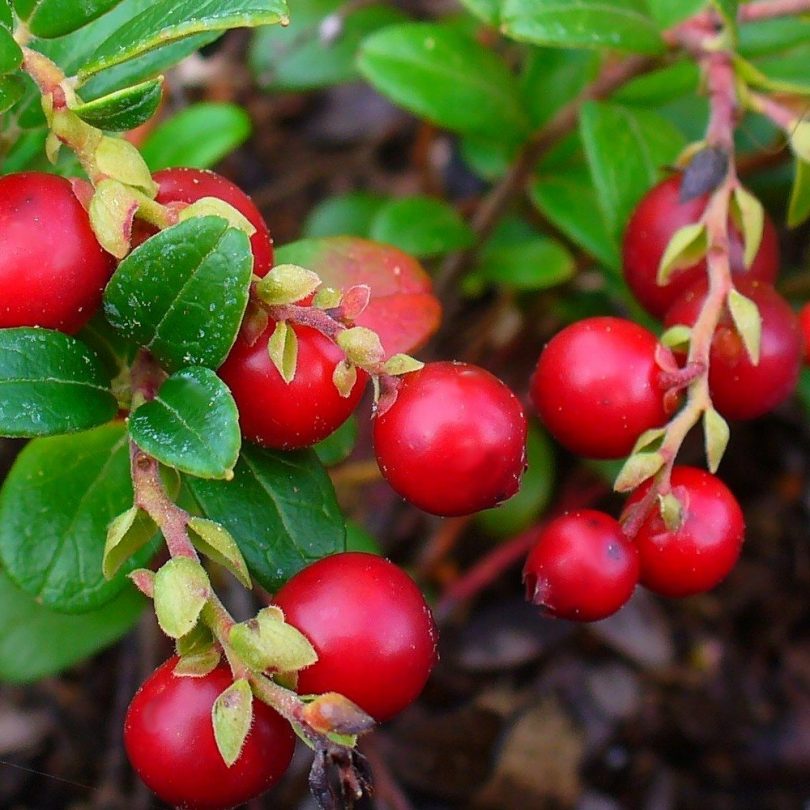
<point x="189" y="185"/>
<point x="369" y="623"/>
<point x="582" y="567"/>
<point x="596" y="386"/>
<point x="454" y="440"/>
<point x="700" y="553"/>
<point x="804" y="324"/>
<point x="283" y="415"/>
<point x="655" y="220"/>
<point x="169" y="739"/>
<point x="52" y="269"/>
<point x="740" y="389"/>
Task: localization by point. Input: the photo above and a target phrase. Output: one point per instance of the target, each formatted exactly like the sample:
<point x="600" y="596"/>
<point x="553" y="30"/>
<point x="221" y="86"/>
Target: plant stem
<point x="770" y="9"/>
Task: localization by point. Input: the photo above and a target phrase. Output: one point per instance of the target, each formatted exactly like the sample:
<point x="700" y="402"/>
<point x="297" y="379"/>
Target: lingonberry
<point x="656" y="218"/>
<point x="369" y="623"/>
<point x="582" y="567"/>
<point x="699" y="553"/>
<point x="189" y="185"/>
<point x="169" y="739"/>
<point x="804" y="323"/>
<point x="52" y="269"/>
<point x="596" y="386"/>
<point x="739" y="388"/>
<point x="454" y="440"/>
<point x="284" y="415"/>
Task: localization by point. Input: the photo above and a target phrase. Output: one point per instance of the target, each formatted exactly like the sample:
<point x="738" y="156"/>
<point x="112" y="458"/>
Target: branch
<point x="770" y="9"/>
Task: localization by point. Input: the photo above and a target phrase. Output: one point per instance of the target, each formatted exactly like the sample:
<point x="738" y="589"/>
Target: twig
<point x="770" y="9"/>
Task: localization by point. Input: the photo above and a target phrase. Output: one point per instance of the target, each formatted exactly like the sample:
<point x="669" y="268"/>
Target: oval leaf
<point x="216" y="543"/>
<point x="55" y="506"/>
<point x="750" y="217"/>
<point x="55" y="18"/>
<point x="10" y="53"/>
<point x="50" y="383"/>
<point x="192" y="424"/>
<point x="11" y="91"/>
<point x="402" y="310"/>
<point x="747" y="321"/>
<point x="268" y="642"/>
<point x="280" y="508"/>
<point x="181" y="590"/>
<point x="183" y="292"/>
<point x="232" y="714"/>
<point x="124" y="109"/>
<point x="127" y="534"/>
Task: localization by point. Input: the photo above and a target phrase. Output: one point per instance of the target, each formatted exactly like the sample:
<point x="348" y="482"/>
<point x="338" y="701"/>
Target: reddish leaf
<point x="403" y="310"/>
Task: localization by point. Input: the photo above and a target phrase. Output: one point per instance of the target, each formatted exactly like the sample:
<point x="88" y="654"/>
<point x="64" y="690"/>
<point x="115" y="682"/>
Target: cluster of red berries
<point x="376" y="645"/>
<point x="599" y="385"/>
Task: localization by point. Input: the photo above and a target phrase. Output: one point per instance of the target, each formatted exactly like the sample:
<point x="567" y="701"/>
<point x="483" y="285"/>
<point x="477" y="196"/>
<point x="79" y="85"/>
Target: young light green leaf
<point x="198" y="640"/>
<point x="268" y="642"/>
<point x="124" y="109"/>
<point x="214" y="207"/>
<point x="637" y="469"/>
<point x="127" y="534"/>
<point x="181" y="591"/>
<point x="443" y="74"/>
<point x="122" y="161"/>
<point x="402" y="364"/>
<point x="55" y="507"/>
<point x="216" y="543"/>
<point x="361" y="345"/>
<point x="191" y="425"/>
<point x="747" y="321"/>
<point x="50" y="383"/>
<point x="799" y="136"/>
<point x="671" y="511"/>
<point x="677" y="336"/>
<point x="623" y="24"/>
<point x="716" y="433"/>
<point x="687" y="246"/>
<point x="282" y="348"/>
<point x="112" y="210"/>
<point x="750" y="215"/>
<point x="186" y="310"/>
<point x="232" y="715"/>
<point x="198" y="665"/>
<point x="166" y="21"/>
<point x="55" y="18"/>
<point x="344" y="377"/>
<point x="799" y="207"/>
<point x="287" y="284"/>
<point x="648" y="439"/>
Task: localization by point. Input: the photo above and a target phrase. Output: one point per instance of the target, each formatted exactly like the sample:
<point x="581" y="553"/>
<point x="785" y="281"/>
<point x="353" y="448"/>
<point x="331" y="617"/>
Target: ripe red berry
<point x="596" y="386"/>
<point x="804" y="323"/>
<point x="283" y="415"/>
<point x="740" y="389"/>
<point x="655" y="220"/>
<point x="169" y="739"/>
<point x="369" y="623"/>
<point x="189" y="185"/>
<point x="698" y="554"/>
<point x="454" y="440"/>
<point x="52" y="269"/>
<point x="582" y="567"/>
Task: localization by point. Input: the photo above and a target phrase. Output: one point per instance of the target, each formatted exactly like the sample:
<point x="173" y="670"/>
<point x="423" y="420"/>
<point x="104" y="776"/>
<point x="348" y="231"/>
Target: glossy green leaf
<point x="11" y="91"/>
<point x="669" y="12"/>
<point x="487" y="10"/>
<point x="422" y="226"/>
<point x="36" y="641"/>
<point x="183" y="292"/>
<point x="55" y="18"/>
<point x="280" y="509"/>
<point x="785" y="72"/>
<point x="443" y="74"/>
<point x="799" y="207"/>
<point x="309" y="53"/>
<point x="50" y="383"/>
<point x="124" y="109"/>
<point x="10" y="53"/>
<point x="55" y="506"/>
<point x="165" y="21"/>
<point x="661" y="86"/>
<point x="338" y="446"/>
<point x="6" y="18"/>
<point x="192" y="424"/>
<point x="773" y="36"/>
<point x="198" y="136"/>
<point x="626" y="150"/>
<point x="622" y="24"/>
<point x="344" y="215"/>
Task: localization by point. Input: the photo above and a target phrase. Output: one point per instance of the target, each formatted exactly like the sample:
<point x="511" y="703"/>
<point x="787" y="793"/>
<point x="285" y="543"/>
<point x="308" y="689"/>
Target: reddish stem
<point x="770" y="9"/>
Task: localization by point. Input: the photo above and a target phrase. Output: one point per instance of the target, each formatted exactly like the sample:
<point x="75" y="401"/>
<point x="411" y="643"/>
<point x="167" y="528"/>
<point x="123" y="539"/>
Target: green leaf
<point x="687" y="246"/>
<point x="287" y="284"/>
<point x="181" y="591"/>
<point x="123" y="109"/>
<point x="669" y="12"/>
<point x="216" y="543"/>
<point x="445" y="75"/>
<point x="10" y="53"/>
<point x="55" y="18"/>
<point x="310" y="53"/>
<point x="232" y="714"/>
<point x="716" y="432"/>
<point x="346" y="214"/>
<point x="268" y="642"/>
<point x="487" y="10"/>
<point x="183" y="292"/>
<point x="750" y="217"/>
<point x="338" y="446"/>
<point x="728" y="11"/>
<point x="50" y="383"/>
<point x="661" y="86"/>
<point x="169" y="20"/>
<point x="198" y="665"/>
<point x="279" y="507"/>
<point x="776" y="75"/>
<point x="282" y="349"/>
<point x="126" y="535"/>
<point x="799" y="208"/>
<point x="626" y="149"/>
<point x="36" y="642"/>
<point x="6" y="19"/>
<point x="198" y="136"/>
<point x="747" y="321"/>
<point x="192" y="424"/>
<point x="422" y="226"/>
<point x="55" y="506"/>
<point x="11" y="91"/>
<point x="622" y="24"/>
<point x="637" y="469"/>
<point x="773" y="36"/>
